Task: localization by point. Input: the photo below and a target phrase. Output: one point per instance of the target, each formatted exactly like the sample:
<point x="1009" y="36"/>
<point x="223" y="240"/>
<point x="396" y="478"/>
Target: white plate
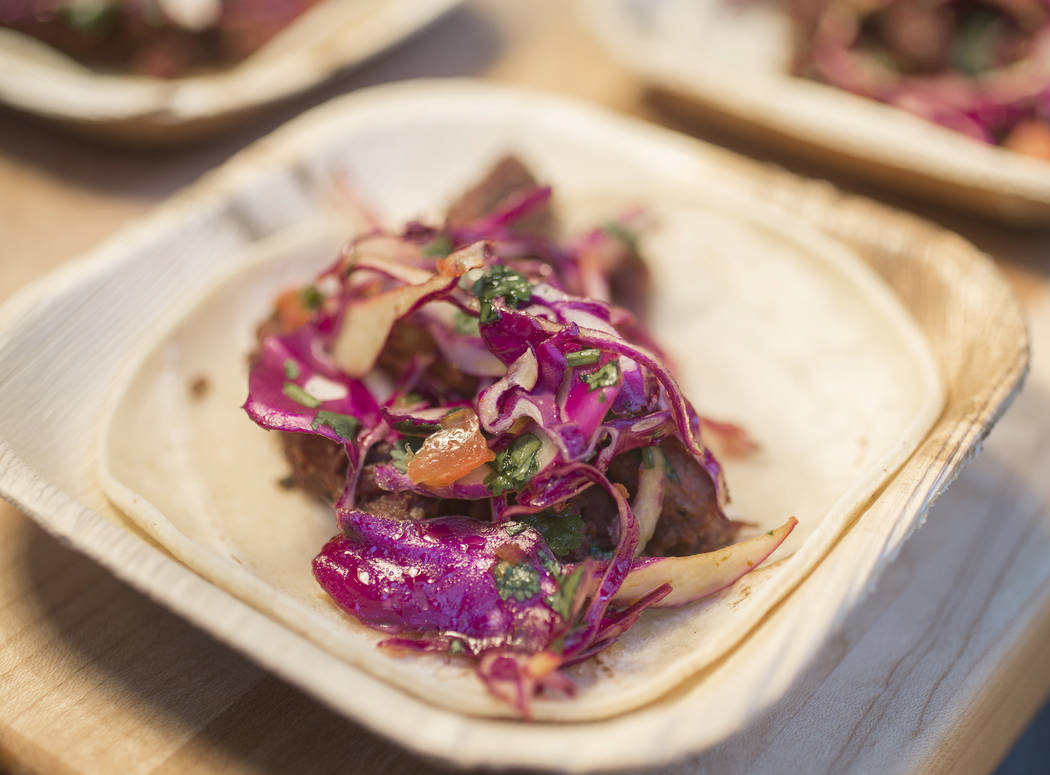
<point x="331" y="36"/>
<point x="65" y="342"/>
<point x="729" y="61"/>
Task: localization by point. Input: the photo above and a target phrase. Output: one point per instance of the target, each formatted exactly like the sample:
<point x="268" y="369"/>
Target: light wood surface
<point x="938" y="671"/>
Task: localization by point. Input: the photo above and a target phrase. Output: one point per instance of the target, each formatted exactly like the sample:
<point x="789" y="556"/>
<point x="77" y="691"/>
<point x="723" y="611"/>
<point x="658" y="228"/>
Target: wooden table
<point x="938" y="671"/>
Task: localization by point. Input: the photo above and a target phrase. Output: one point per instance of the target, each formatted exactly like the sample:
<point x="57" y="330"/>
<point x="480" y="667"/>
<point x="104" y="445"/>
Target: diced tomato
<point x="452" y="452"/>
<point x="1031" y="138"/>
<point x="292" y="312"/>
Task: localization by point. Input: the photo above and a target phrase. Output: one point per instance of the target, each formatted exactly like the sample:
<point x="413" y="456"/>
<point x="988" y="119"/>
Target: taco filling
<point x="515" y="473"/>
<point x="159" y="38"/>
<point x="980" y="67"/>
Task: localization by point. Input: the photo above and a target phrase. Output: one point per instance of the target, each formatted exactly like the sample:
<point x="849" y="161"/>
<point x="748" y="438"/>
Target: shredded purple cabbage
<point x="562" y="385"/>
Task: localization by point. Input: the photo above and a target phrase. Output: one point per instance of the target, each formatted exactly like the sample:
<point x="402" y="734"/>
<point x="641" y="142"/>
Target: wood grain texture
<point x="935" y="672"/>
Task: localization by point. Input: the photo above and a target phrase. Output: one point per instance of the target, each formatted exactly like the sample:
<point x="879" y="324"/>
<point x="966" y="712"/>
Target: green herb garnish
<point x="515" y="528"/>
<point x="344" y="425"/>
<point x="499" y="281"/>
<point x="291" y="369"/>
<point x="311" y="297"/>
<point x="439" y="247"/>
<point x="516" y="465"/>
<point x="583" y="357"/>
<point x="300" y="396"/>
<point x="456" y="647"/>
<point x="607" y="376"/>
<point x="403" y="451"/>
<point x="562" y="532"/>
<point x="520" y="581"/>
<point x="561" y="601"/>
<point x="465" y="324"/>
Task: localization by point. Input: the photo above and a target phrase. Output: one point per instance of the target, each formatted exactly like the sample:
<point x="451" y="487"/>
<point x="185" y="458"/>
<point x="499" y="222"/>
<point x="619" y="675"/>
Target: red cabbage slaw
<point x="565" y="385"/>
<point x="160" y="38"/>
<point x="979" y="67"/>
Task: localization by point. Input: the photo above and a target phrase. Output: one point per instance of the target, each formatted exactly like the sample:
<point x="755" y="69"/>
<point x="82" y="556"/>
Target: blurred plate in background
<point x="727" y="62"/>
<point x="333" y="35"/>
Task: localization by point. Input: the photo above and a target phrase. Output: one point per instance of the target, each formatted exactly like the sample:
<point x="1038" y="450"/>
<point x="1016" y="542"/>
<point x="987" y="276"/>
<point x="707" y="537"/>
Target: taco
<point x="159" y="38"/>
<point x="515" y="472"/>
<point x="979" y="67"/>
<point x="411" y="379"/>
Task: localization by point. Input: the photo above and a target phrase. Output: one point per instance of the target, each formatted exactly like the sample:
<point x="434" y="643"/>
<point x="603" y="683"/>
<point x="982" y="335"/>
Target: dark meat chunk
<point x="690" y="521"/>
<point x="441" y="377"/>
<point x="509" y="178"/>
<point x="318" y="464"/>
<point x="630" y="285"/>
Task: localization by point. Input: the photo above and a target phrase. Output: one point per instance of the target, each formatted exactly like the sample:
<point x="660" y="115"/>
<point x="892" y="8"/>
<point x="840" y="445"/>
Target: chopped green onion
<point x="583" y="357"/>
<point x="300" y="396"/>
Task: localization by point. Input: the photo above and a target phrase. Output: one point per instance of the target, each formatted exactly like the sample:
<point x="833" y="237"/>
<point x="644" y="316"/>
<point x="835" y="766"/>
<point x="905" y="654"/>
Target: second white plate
<point x="728" y="61"/>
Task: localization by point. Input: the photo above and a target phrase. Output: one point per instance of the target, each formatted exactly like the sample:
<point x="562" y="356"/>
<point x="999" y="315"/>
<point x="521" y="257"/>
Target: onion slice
<point x="699" y="575"/>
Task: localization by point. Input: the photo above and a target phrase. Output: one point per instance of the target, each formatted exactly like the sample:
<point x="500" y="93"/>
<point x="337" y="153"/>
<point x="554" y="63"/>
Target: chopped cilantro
<point x="648" y="458"/>
<point x="300" y="396"/>
<point x="561" y="601"/>
<point x="499" y="281"/>
<point x="455" y="647"/>
<point x="343" y="424"/>
<point x="291" y="369"/>
<point x="311" y="297"/>
<point x="520" y="581"/>
<point x="562" y="532"/>
<point x="466" y="324"/>
<point x="403" y="451"/>
<point x="439" y="247"/>
<point x="583" y="357"/>
<point x="516" y="465"/>
<point x="607" y="376"/>
<point x="515" y="528"/>
<point x="625" y="235"/>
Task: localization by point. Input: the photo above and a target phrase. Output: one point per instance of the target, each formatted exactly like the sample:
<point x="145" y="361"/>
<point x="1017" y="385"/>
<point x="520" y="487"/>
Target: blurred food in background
<point x="981" y="68"/>
<point x="159" y="38"/>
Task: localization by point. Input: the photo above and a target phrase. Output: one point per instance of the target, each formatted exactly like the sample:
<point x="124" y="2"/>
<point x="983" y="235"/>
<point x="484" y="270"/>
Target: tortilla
<point x="770" y="325"/>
